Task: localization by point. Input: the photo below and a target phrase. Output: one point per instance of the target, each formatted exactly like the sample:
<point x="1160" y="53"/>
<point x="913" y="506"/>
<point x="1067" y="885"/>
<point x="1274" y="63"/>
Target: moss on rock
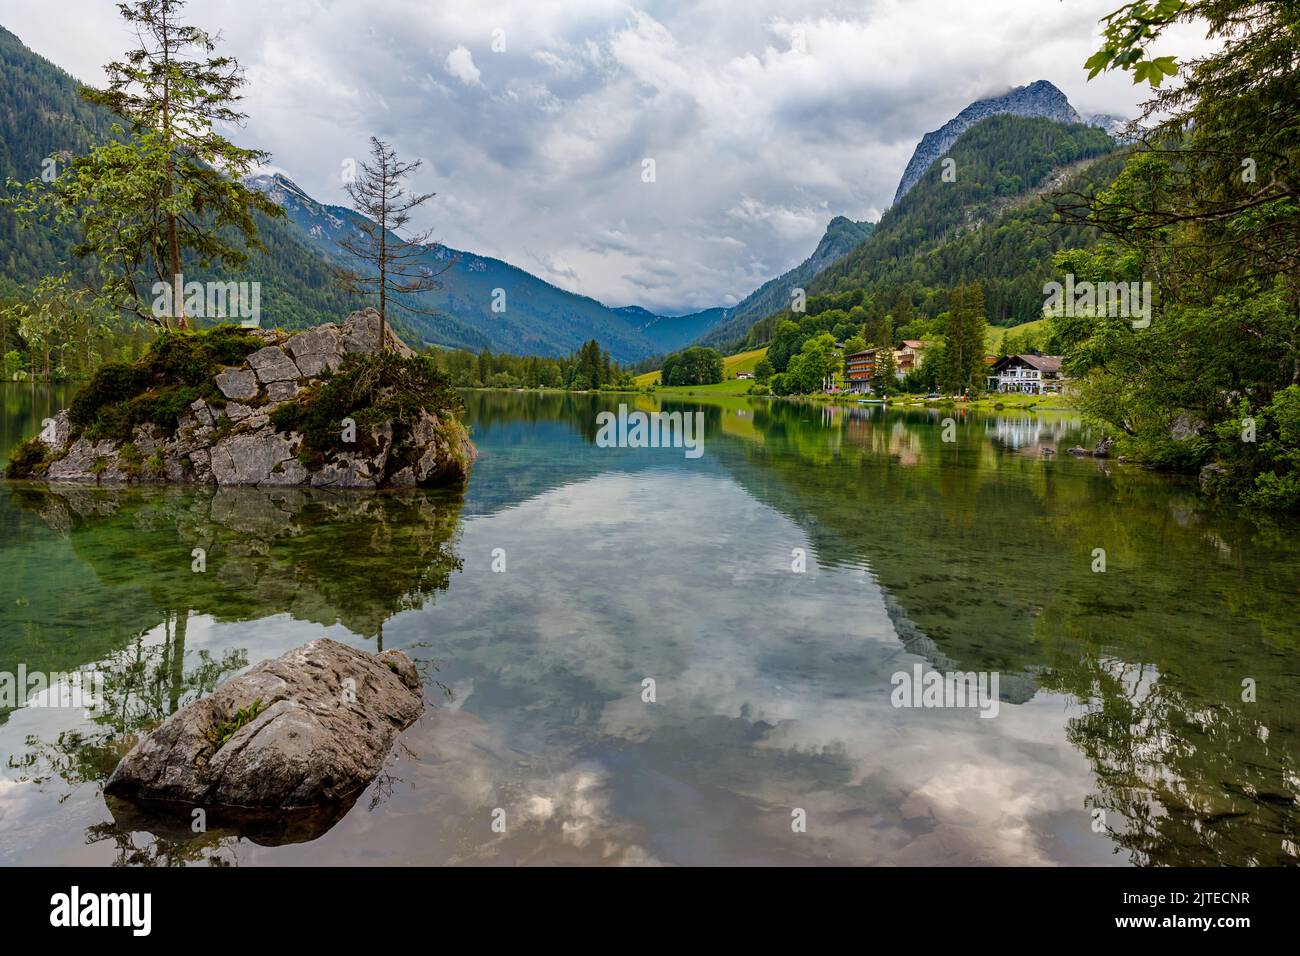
<point x="31" y="459"/>
<point x="371" y="389"/>
<point x="157" y="388"/>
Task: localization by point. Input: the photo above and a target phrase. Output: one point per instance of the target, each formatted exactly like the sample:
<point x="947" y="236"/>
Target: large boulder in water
<point x="308" y="729"/>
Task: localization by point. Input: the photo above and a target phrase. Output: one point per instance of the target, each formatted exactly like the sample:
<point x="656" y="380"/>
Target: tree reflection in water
<point x="334" y="559"/>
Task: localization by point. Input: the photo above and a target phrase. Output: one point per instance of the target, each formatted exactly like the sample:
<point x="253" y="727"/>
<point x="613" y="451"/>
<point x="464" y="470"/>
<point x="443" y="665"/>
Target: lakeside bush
<point x="177" y="369"/>
<point x="371" y="389"/>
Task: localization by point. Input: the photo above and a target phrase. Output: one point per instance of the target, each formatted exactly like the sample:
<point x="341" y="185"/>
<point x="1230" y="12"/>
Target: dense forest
<point x="590" y="367"/>
<point x="1207" y="211"/>
<point x="988" y="223"/>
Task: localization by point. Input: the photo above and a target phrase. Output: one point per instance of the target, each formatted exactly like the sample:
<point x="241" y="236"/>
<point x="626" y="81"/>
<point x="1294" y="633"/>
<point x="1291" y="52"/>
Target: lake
<point x="633" y="656"/>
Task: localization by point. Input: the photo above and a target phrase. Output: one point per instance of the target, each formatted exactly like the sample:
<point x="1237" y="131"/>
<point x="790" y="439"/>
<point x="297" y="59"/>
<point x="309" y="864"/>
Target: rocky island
<point x="325" y="407"/>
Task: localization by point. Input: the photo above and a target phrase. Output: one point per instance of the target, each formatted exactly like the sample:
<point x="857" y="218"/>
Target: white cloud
<point x="460" y="64"/>
<point x="765" y="117"/>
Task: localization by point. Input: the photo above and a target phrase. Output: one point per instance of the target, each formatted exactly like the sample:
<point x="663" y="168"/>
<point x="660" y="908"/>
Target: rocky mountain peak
<point x="1040" y="98"/>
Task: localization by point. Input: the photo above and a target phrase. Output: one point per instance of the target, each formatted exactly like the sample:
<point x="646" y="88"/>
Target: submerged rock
<point x="308" y="729"/>
<point x="1103" y="448"/>
<point x="1210" y="475"/>
<point x="230" y="435"/>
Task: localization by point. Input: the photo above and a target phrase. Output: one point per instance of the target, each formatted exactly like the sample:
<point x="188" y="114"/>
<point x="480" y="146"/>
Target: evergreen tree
<point x="974" y="338"/>
<point x="950" y="374"/>
<point x="964" y="341"/>
<point x="902" y="311"/>
<point x="884" y="376"/>
<point x="169" y="186"/>
<point x="388" y="262"/>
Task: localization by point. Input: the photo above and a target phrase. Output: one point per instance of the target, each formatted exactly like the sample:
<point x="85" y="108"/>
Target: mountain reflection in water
<point x="1123" y="735"/>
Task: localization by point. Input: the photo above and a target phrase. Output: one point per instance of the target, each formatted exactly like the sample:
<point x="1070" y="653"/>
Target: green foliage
<point x="695" y="366"/>
<point x="589" y="367"/>
<point x="371" y="389"/>
<point x="156" y="389"/>
<point x="1209" y="213"/>
<point x="60" y="329"/>
<point x="167" y="186"/>
<point x="964" y="342"/>
<point x="924" y="378"/>
<point x="221" y="732"/>
<point x="13" y="366"/>
<point x="1126" y="35"/>
<point x="811" y="369"/>
<point x="28" y="460"/>
<point x="884" y="375"/>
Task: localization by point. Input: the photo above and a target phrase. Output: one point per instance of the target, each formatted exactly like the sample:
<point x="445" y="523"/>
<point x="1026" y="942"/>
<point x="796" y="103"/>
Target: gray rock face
<point x="1037" y="99"/>
<point x="279" y="392"/>
<point x="327" y="717"/>
<point x="237" y="444"/>
<point x="316" y="350"/>
<point x="254" y="458"/>
<point x="237" y="384"/>
<point x="272" y="365"/>
<point x="1185" y="426"/>
<point x="81" y="458"/>
<point x="361" y="334"/>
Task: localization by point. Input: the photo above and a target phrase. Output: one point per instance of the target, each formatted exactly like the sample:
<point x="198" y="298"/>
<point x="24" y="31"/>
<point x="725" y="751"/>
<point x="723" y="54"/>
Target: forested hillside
<point x="41" y="116"/>
<point x="842" y="236"/>
<point x="43" y="119"/>
<point x="988" y="223"/>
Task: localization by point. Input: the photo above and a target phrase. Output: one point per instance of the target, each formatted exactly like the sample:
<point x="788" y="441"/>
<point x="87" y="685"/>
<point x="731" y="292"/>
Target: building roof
<point x="870" y="351"/>
<point x="1044" y="363"/>
<point x="913" y="343"/>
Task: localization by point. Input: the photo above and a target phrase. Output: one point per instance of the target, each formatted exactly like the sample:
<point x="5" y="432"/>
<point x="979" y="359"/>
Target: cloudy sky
<point x="535" y="117"/>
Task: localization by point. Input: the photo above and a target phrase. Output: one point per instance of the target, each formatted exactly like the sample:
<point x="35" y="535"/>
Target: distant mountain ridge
<point x="842" y="236"/>
<point x="42" y="116"/>
<point x="1041" y="99"/>
<point x="539" y="318"/>
<point x="672" y="332"/>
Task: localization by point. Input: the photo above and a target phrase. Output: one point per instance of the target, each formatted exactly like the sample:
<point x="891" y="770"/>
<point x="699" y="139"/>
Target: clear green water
<point x="1121" y="736"/>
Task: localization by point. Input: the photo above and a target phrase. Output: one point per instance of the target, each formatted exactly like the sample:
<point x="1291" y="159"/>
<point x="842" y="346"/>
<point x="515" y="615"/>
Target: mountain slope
<point x="842" y="236"/>
<point x="1040" y="99"/>
<point x="670" y="333"/>
<point x="41" y="115"/>
<point x="988" y="224"/>
<point x="538" y="318"/>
